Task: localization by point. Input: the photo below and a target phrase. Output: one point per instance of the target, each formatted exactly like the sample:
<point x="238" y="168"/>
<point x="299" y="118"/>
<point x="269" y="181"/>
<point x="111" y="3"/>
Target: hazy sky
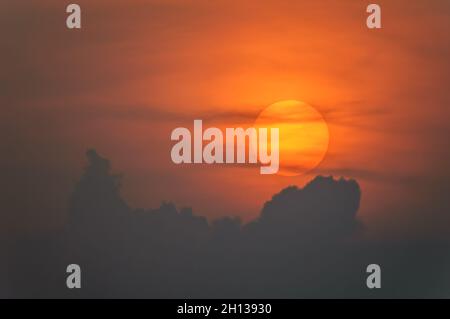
<point x="138" y="69"/>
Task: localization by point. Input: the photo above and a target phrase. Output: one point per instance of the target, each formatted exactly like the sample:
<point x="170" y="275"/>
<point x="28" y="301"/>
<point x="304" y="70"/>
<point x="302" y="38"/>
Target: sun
<point x="304" y="135"/>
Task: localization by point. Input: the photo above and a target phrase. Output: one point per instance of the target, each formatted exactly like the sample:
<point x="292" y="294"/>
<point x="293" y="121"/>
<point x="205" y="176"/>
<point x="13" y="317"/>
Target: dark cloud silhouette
<point x="306" y="243"/>
<point x="323" y="211"/>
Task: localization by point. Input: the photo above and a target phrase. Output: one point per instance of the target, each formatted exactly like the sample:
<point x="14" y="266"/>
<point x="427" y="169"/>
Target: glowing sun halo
<point x="303" y="135"/>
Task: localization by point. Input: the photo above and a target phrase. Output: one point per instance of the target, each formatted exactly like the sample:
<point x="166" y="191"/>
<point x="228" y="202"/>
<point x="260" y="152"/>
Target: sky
<point x="138" y="69"/>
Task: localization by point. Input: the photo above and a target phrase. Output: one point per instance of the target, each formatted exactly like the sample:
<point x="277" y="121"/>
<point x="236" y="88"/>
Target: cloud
<point x="324" y="209"/>
<point x="305" y="243"/>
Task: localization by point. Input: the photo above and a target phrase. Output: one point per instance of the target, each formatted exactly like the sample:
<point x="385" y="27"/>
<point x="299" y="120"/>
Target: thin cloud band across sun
<point x="288" y="138"/>
<point x="304" y="137"/>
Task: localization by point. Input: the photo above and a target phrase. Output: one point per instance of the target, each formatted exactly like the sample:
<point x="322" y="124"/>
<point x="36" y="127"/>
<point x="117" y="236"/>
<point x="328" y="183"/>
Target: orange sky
<point x="138" y="69"/>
